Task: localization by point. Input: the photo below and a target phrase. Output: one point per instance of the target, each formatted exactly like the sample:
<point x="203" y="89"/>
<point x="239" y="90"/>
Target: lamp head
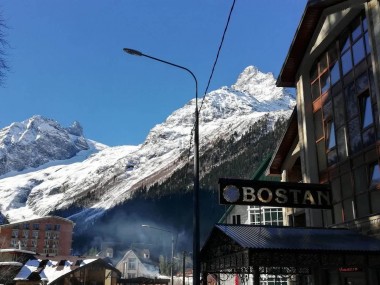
<point x="133" y="51"/>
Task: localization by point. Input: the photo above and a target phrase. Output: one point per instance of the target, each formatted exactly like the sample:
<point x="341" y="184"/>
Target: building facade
<point x="48" y="235"/>
<point x="334" y="133"/>
<point x="137" y="263"/>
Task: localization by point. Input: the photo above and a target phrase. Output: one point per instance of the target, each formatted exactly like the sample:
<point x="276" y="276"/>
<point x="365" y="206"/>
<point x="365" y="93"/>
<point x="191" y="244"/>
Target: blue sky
<point x="67" y="61"/>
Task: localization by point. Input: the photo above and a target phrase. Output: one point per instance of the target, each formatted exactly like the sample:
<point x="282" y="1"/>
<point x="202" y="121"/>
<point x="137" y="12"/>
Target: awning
<point x="239" y="248"/>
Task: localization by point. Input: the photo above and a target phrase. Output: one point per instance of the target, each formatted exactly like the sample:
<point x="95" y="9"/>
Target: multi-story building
<point x="333" y="138"/>
<point x="49" y="235"/>
<point x="334" y="133"/>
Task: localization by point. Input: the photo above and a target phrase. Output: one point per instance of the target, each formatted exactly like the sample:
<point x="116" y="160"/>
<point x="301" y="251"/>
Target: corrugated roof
<point x="288" y="238"/>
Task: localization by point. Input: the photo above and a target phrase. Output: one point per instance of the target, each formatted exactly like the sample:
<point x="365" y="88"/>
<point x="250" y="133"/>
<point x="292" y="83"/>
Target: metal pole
<point x="196" y="231"/>
<point x="172" y="261"/>
<point x="183" y="268"/>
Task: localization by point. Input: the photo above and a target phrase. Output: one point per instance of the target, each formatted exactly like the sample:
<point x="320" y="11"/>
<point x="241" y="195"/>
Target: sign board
<point x="275" y="194"/>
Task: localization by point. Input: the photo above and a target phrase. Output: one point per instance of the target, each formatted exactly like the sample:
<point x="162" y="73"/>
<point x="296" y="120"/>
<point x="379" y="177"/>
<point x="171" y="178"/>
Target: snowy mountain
<point x="58" y="168"/>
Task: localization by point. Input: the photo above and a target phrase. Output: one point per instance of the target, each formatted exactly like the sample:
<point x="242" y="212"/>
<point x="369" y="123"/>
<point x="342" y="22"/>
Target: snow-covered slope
<point x="109" y="176"/>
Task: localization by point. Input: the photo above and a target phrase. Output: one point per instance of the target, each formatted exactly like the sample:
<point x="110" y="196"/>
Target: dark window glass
<point x="348" y="211"/>
<point x="358" y="51"/>
<point x="356" y="31"/>
<point x="367" y="43"/>
<point x="341" y="143"/>
<point x="351" y="101"/>
<point x="321" y="150"/>
<point x="330" y="135"/>
<point x="314" y="72"/>
<point x="361" y="83"/>
<point x="325" y="82"/>
<point x="365" y="24"/>
<point x="346" y="62"/>
<point x="344" y="42"/>
<point x="333" y="54"/>
<point x="315" y="90"/>
<point x="332" y="157"/>
<point x="327" y="110"/>
<point x="362" y="205"/>
<point x="335" y="73"/>
<point x="339" y="110"/>
<point x="354" y="135"/>
<point x="318" y="127"/>
<point x="338" y="213"/>
<point x="369" y="137"/>
<point x="375" y="201"/>
<point x="323" y="63"/>
<point x="335" y="188"/>
<point x="347" y="189"/>
<point x="361" y="181"/>
<point x="366" y="110"/>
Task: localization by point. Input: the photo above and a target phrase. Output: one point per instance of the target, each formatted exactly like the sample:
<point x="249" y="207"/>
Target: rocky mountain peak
<point x="36" y="141"/>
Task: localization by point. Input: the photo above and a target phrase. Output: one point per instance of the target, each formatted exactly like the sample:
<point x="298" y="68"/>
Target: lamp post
<point x="172" y="257"/>
<point x="196" y="231"/>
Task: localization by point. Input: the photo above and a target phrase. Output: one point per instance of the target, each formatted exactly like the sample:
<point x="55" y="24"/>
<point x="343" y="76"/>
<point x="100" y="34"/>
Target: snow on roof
<point x="16" y="250"/>
<point x="50" y="270"/>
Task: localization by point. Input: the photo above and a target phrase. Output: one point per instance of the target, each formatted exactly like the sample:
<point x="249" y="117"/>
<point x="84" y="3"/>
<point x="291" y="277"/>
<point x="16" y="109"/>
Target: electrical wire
<point x="210" y="78"/>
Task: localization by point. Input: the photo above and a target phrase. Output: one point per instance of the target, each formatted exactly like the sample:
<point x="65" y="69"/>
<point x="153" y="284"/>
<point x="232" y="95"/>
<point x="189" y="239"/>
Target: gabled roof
<point x="305" y="31"/>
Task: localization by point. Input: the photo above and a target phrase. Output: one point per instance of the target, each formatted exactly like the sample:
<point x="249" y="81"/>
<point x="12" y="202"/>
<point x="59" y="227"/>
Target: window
<point x="35" y="234"/>
<point x="343" y="95"/>
<point x="48" y="227"/>
<point x="14" y="233"/>
<point x="366" y="111"/>
<point x="36" y="226"/>
<point x="57" y="227"/>
<point x="26" y="226"/>
<point x="236" y="219"/>
<point x="375" y="176"/>
<point x="132" y="263"/>
<point x="266" y="216"/>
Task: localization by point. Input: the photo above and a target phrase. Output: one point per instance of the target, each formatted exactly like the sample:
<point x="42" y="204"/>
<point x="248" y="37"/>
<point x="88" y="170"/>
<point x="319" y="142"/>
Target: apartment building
<point x="49" y="235"/>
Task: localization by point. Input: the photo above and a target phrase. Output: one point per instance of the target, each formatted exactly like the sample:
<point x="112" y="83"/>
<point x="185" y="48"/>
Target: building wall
<point x="131" y="266"/>
<point x="48" y="235"/>
<point x="338" y="141"/>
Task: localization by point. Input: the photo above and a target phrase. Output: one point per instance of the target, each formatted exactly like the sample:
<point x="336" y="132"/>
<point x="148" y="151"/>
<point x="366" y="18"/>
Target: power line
<point x="210" y="78"/>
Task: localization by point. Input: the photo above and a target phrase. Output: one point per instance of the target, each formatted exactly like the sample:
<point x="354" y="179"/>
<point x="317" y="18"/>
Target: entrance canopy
<point x="286" y="250"/>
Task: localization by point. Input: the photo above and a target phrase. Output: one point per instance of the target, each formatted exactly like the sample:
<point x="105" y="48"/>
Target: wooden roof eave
<point x="286" y="142"/>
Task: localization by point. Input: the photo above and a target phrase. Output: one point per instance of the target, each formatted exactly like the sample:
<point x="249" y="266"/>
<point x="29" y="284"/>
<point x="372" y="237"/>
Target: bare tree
<point x="3" y="44"/>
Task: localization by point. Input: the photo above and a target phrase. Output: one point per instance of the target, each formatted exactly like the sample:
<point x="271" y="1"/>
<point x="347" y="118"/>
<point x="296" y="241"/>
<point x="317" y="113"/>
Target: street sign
<point x="275" y="194"/>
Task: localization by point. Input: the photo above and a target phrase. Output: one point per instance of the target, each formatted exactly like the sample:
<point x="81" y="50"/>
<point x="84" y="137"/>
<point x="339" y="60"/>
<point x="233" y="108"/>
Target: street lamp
<point x="196" y="233"/>
<point x="172" y="258"/>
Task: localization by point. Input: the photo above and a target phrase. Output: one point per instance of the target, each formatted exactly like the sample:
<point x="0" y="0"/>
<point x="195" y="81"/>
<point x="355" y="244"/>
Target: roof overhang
<point x="287" y="140"/>
<point x="238" y="248"/>
<point x="304" y="33"/>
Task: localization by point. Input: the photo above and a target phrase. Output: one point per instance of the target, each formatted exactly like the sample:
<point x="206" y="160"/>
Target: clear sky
<point x="67" y="61"/>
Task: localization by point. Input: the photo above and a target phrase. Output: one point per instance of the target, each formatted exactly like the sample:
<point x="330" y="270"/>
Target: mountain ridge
<point x="107" y="176"/>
